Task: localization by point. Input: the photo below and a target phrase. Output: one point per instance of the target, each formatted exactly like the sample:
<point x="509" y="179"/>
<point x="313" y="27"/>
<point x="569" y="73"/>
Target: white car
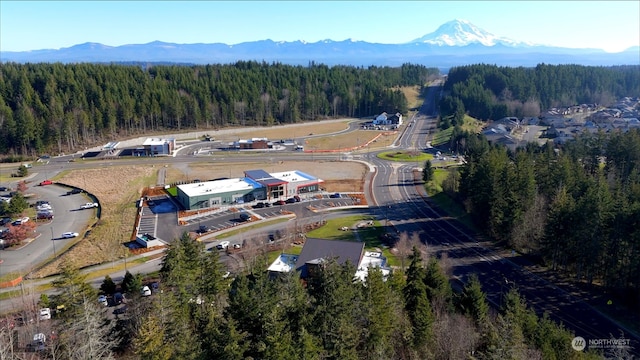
<point x="89" y="206"/>
<point x="223" y="245"/>
<point x="145" y="291"/>
<point x="45" y="314"/>
<point x="103" y="300"/>
<point x="44" y="207"/>
<point x="69" y="235"/>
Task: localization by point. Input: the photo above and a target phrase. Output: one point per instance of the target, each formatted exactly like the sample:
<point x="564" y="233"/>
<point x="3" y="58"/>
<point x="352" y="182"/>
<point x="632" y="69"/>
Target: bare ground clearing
<point x="118" y="187"/>
<point x="350" y="140"/>
<point x="283" y="132"/>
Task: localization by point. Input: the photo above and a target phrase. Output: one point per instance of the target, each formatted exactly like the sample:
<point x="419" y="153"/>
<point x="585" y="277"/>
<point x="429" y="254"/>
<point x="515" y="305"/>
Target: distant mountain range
<point x="457" y="42"/>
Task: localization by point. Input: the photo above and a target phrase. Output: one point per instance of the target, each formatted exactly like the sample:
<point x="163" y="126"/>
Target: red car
<point x="46" y="182"/>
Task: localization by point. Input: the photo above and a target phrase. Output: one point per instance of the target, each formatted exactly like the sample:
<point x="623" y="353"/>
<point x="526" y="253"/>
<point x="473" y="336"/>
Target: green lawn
<point x="443" y="136"/>
<point x="406" y="155"/>
<point x="370" y="235"/>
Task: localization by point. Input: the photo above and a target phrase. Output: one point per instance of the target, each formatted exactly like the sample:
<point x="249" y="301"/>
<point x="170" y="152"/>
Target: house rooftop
<point x="315" y="250"/>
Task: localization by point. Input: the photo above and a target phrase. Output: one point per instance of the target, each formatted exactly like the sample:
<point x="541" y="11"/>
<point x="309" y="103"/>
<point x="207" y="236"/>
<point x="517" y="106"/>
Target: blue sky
<point x="32" y="25"/>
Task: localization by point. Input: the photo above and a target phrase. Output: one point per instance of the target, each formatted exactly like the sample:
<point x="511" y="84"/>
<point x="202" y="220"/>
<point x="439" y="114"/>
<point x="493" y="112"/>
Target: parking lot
<point x="230" y="217"/>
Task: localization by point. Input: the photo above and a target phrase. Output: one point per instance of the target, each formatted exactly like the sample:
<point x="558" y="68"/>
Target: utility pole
<point x="53" y="242"/>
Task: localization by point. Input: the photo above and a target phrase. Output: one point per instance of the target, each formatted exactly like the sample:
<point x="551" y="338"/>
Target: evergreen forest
<point x="61" y="107"/>
<point x="489" y="92"/>
<point x="197" y="313"/>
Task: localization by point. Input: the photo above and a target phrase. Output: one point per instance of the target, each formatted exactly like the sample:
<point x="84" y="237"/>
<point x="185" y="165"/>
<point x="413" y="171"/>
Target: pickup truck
<point x="89" y="206"/>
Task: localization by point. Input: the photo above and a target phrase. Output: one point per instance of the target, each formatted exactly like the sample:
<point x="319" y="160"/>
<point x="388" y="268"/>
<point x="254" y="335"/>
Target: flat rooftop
<point x="264" y="177"/>
<point x="157" y="141"/>
<point x="369" y="260"/>
<point x="293" y="176"/>
<point x="219" y="186"/>
<point x="284" y="263"/>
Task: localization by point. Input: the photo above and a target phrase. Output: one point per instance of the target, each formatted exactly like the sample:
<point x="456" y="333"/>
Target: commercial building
<point x="209" y="194"/>
<point x="157" y="146"/>
<point x="285" y="184"/>
<point x="298" y="182"/>
<point x="255" y="185"/>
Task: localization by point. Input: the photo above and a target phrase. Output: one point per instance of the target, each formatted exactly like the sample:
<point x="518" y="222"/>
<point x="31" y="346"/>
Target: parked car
<point x="69" y="235"/>
<point x="5" y="221"/>
<point x="296" y="198"/>
<point x="21" y="221"/>
<point x="259" y="205"/>
<point x="38" y="342"/>
<point x="102" y="299"/>
<point x="45" y="314"/>
<point x="237" y="246"/>
<point x="2" y="188"/>
<point x="118" y="298"/>
<point x="279" y="202"/>
<point x="335" y="196"/>
<point x="44" y="215"/>
<point x="222" y="245"/>
<point x="290" y="201"/>
<point x="202" y="230"/>
<point x="74" y="191"/>
<point x="145" y="291"/>
<point x="89" y="206"/>
<point x="245" y="217"/>
<point x="46" y="182"/>
<point x="43" y="207"/>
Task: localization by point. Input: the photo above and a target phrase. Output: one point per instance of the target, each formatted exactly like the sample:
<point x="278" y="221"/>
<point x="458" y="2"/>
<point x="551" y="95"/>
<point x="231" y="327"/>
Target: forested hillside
<point x="489" y="92"/>
<point x="57" y="108"/>
<point x="577" y="207"/>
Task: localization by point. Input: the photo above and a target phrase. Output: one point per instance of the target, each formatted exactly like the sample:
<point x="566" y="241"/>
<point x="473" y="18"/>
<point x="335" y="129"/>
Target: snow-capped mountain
<point x="455" y="43"/>
<point x="462" y="33"/>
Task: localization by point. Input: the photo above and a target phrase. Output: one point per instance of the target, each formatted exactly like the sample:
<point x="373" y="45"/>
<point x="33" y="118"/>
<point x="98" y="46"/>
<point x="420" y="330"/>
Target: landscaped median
<point x="405" y="156"/>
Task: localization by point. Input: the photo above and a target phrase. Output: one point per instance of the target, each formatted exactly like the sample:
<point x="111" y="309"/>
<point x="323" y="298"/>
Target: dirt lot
<point x="117" y="189"/>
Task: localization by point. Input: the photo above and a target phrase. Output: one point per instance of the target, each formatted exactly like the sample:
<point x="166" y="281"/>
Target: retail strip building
<point x="256" y="185"/>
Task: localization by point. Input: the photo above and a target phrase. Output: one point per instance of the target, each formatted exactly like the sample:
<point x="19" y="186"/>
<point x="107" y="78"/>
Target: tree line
<point x="60" y="107"/>
<point x="200" y="314"/>
<point x="576" y="207"/>
<point x="490" y="92"/>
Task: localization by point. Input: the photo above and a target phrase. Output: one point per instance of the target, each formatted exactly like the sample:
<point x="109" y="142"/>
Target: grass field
<point x="444" y="136"/>
<point x="407" y="156"/>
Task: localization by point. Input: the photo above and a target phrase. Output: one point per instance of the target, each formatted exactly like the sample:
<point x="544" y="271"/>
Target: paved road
<point x="393" y="196"/>
<point x="403" y="204"/>
<point x="48" y="241"/>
